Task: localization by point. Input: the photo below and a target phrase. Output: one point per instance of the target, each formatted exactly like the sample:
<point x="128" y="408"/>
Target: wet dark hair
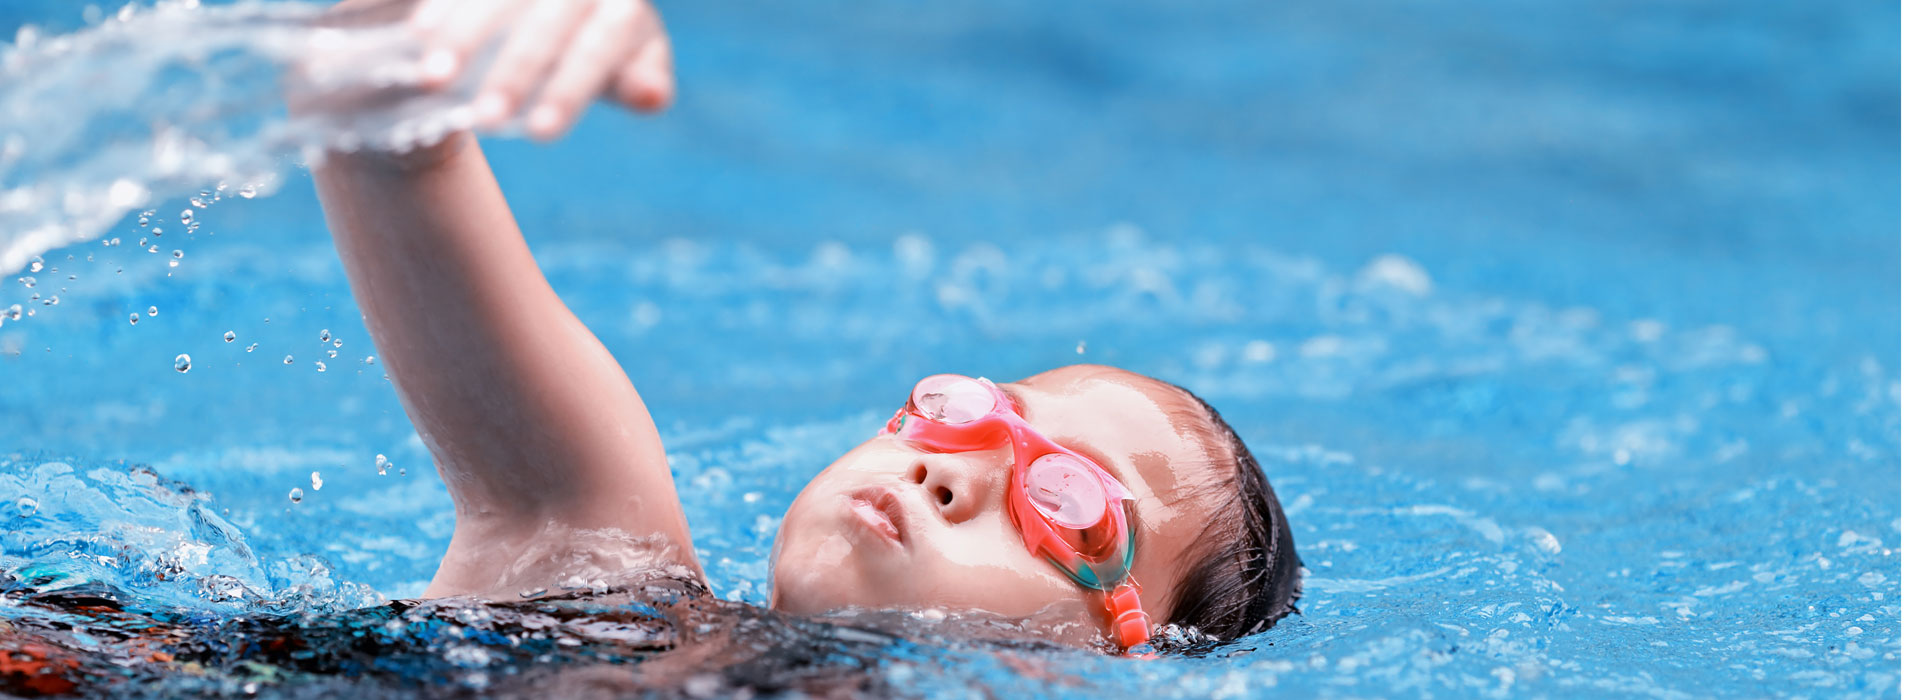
<point x="1243" y="573"/>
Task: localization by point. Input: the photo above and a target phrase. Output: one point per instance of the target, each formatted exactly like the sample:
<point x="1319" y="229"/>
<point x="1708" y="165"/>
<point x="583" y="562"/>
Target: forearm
<point x="522" y="407"/>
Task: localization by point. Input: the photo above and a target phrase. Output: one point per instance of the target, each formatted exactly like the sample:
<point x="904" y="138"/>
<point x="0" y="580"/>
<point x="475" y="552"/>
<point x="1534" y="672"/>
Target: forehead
<point x="1142" y="429"/>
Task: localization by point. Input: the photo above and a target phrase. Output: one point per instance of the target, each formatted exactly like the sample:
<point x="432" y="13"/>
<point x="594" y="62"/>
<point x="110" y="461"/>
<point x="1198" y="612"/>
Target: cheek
<point x="982" y="565"/>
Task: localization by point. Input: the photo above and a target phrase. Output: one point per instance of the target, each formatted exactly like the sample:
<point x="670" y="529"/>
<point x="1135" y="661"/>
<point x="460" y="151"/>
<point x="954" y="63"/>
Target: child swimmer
<point x="1121" y="499"/>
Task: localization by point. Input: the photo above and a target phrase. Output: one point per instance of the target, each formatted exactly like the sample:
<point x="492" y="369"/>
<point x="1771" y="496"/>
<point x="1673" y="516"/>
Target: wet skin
<point x="957" y="547"/>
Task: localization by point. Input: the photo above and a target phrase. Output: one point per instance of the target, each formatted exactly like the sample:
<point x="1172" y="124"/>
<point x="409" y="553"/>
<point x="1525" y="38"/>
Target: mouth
<point x="881" y="512"/>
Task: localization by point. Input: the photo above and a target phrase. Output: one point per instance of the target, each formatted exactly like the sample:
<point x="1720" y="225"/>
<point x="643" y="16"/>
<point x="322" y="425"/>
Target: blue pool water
<point x="1567" y="333"/>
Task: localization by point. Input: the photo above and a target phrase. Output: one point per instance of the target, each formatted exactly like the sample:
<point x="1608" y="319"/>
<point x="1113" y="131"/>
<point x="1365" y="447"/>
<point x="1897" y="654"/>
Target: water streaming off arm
<point x="164" y="101"/>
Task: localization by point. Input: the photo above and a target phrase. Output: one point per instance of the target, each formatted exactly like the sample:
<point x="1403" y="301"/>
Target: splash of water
<point x="168" y="100"/>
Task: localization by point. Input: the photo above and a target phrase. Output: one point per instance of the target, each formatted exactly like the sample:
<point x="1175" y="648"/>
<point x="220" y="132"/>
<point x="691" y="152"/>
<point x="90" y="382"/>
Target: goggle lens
<point x="1063" y="489"/>
<point x="952" y="399"/>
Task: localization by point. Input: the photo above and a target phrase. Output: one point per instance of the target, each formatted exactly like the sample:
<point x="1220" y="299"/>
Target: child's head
<point x="1213" y="549"/>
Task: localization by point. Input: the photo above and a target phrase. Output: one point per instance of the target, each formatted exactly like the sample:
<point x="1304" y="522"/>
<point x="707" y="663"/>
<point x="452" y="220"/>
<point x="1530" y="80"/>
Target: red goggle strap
<point x="1126" y="617"/>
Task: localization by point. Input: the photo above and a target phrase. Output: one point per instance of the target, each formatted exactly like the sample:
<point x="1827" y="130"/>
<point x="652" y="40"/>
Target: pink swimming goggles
<point x="1067" y="509"/>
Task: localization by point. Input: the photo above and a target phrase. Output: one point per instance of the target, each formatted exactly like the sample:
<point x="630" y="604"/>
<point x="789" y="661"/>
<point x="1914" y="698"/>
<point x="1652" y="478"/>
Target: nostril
<point x="946" y="495"/>
<point x="920" y="474"/>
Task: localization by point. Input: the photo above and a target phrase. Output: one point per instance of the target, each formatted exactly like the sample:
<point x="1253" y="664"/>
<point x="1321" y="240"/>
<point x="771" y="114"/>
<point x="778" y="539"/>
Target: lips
<point x="881" y="512"/>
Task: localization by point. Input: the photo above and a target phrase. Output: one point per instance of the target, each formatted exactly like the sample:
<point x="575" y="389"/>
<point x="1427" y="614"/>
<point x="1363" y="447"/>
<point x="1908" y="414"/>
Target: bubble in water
<point x="177" y="254"/>
<point x="316" y="481"/>
<point x="13" y="312"/>
<point x="197" y="203"/>
<point x="182" y="363"/>
<point x="28" y="282"/>
<point x="228" y="337"/>
<point x="153" y="249"/>
<point x="336" y="342"/>
<point x="146" y="218"/>
<point x="296" y="494"/>
<point x="186" y="216"/>
<point x="247" y="192"/>
<point x="36" y="265"/>
<point x="133" y="319"/>
<point x="27" y="506"/>
<point x="380" y="464"/>
<point x="369" y="359"/>
<point x="319" y="366"/>
<point x="153" y="311"/>
<point x="287" y="361"/>
<point x="252" y="346"/>
<point x="325" y="335"/>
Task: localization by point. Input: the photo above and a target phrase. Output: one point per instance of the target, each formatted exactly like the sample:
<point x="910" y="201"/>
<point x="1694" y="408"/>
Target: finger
<point x="601" y="47"/>
<point x="532" y="50"/>
<point x="460" y="31"/>
<point x="646" y="83"/>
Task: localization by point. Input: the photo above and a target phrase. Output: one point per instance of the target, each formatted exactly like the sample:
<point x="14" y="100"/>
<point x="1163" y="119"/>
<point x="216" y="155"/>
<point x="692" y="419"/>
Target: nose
<point x="962" y="485"/>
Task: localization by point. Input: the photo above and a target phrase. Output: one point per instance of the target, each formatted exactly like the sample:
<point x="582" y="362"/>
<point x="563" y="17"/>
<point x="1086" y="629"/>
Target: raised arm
<point x="553" y="461"/>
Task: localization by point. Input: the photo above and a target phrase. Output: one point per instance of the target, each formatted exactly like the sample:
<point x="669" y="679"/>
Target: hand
<point x="553" y="58"/>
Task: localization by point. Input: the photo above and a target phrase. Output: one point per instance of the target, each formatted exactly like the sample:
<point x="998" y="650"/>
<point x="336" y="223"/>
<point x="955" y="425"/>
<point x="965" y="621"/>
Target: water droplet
<point x="295" y="495"/>
<point x="153" y="311"/>
<point x="319" y="366"/>
<point x="133" y="319"/>
<point x="247" y="192"/>
<point x="380" y="463"/>
<point x="336" y="342"/>
<point x="13" y="312"/>
<point x="229" y="336"/>
<point x="113" y="241"/>
<point x="153" y="249"/>
<point x="53" y="300"/>
<point x="287" y="361"/>
<point x="369" y="359"/>
<point x="325" y="335"/>
<point x="197" y="203"/>
<point x="186" y="216"/>
<point x="142" y="242"/>
<point x="182" y="363"/>
<point x="155" y="232"/>
<point x="316" y="481"/>
<point x="28" y="282"/>
<point x="146" y="218"/>
<point x="36" y="265"/>
<point x="172" y="263"/>
<point x="403" y="471"/>
<point x="177" y="254"/>
<point x="251" y="347"/>
<point x="27" y="506"/>
<point x="333" y="354"/>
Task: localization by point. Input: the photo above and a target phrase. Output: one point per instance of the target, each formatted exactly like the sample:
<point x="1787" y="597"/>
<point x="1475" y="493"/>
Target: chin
<point x="804" y="590"/>
<point x="813" y="570"/>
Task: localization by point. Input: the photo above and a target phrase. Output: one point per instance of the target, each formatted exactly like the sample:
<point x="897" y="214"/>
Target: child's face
<point x="957" y="546"/>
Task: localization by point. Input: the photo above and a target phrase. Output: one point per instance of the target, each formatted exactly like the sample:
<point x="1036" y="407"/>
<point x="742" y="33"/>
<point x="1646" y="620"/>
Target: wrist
<point x="410" y="161"/>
